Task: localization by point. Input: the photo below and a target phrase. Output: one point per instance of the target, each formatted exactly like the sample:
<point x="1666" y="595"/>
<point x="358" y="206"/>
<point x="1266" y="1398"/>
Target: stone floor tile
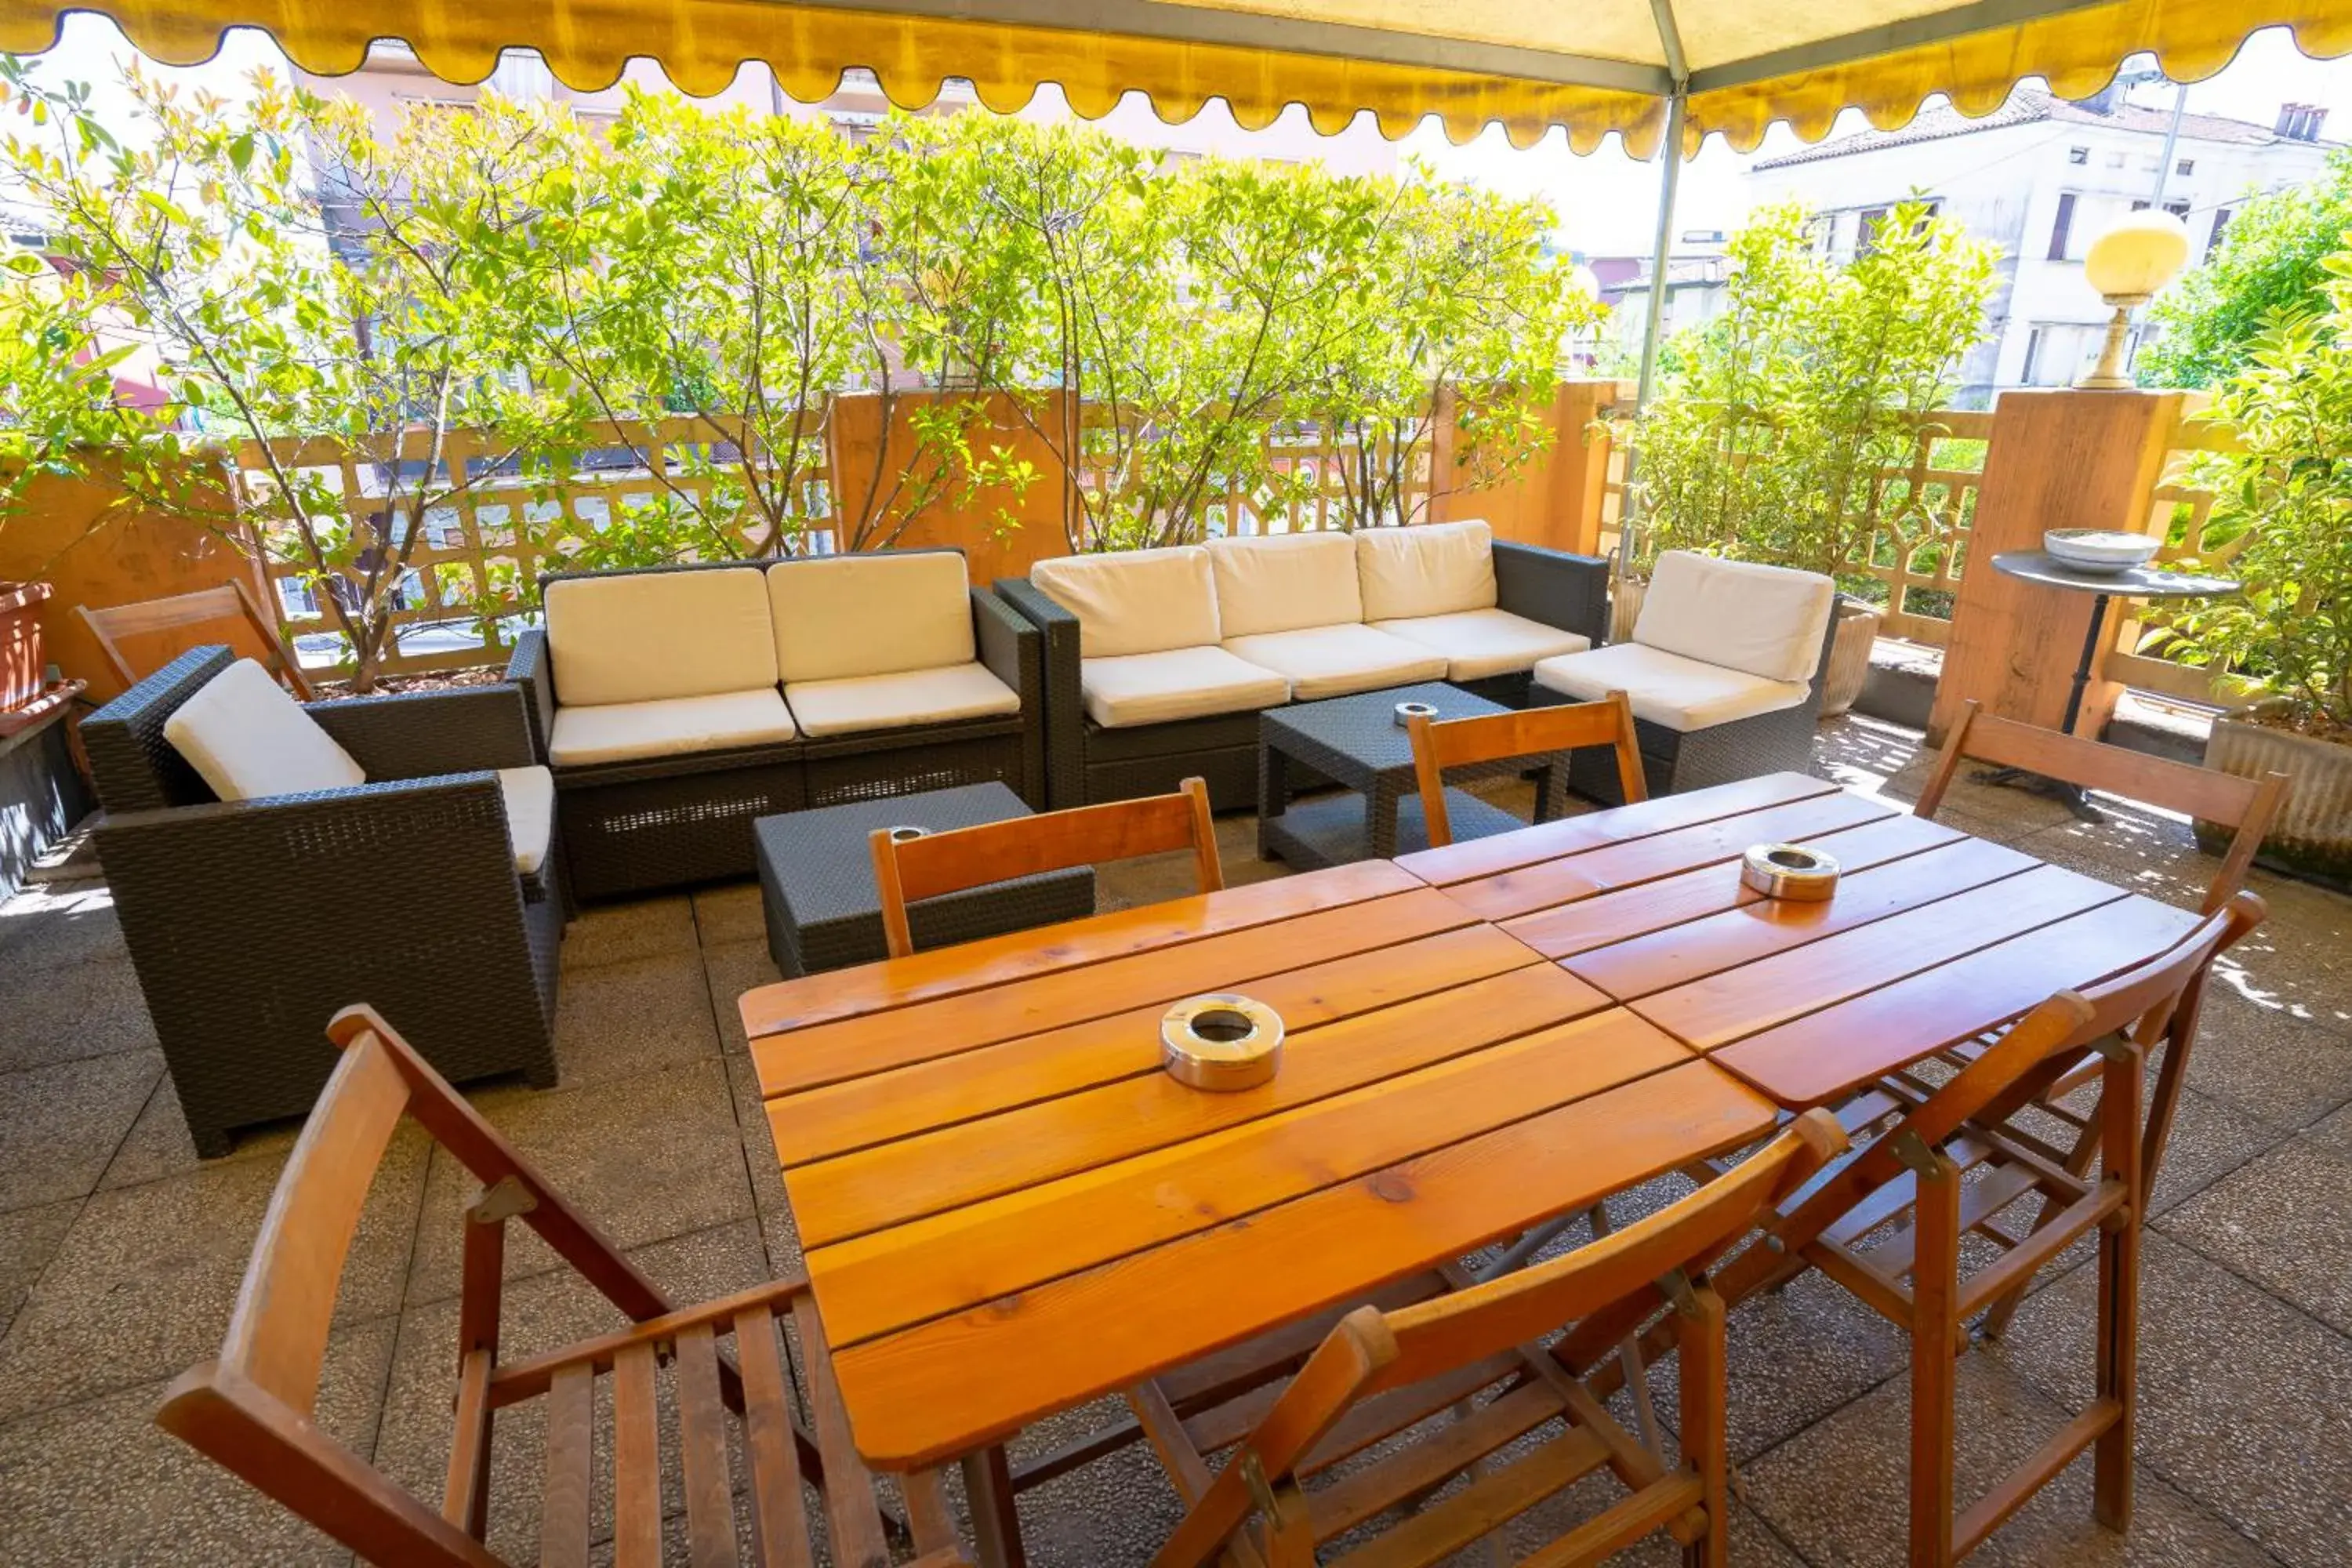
<point x="28" y="1240"/>
<point x="2209" y="1139"/>
<point x="60" y="1125"/>
<point x="541" y="1313"/>
<point x="641" y="928"/>
<point x="1839" y="1491"/>
<point x="2245" y="1403"/>
<point x="2150" y="852"/>
<point x="2260" y="1060"/>
<point x="59" y="1011"/>
<point x="729" y="971"/>
<point x="100" y="1481"/>
<point x="645" y="1157"/>
<point x="142" y="1285"/>
<point x="2295" y="959"/>
<point x="159" y="1145"/>
<point x="2273" y="1223"/>
<point x="631" y="1017"/>
<point x="730" y="914"/>
<point x="48" y="926"/>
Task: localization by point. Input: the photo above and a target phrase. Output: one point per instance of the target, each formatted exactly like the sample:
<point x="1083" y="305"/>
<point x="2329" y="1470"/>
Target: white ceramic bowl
<point x="2099" y="549"/>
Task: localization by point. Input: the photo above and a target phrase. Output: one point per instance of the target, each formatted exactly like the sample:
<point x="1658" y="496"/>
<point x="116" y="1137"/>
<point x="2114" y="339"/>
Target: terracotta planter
<point x="1849" y="666"/>
<point x="20" y="643"/>
<point x="2313" y="834"/>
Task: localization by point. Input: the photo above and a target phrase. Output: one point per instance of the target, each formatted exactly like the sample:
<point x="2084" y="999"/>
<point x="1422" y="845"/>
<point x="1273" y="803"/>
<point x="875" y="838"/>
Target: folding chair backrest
<point x="1618" y="1280"/>
<point x="908" y="870"/>
<point x="231" y="601"/>
<point x="1441" y="743"/>
<point x="2245" y="806"/>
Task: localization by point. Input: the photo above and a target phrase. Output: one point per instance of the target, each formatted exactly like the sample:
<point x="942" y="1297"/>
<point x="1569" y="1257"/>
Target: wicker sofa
<point x="1158" y="662"/>
<point x="675" y="705"/>
<point x="412" y="862"/>
<point x="1724" y="670"/>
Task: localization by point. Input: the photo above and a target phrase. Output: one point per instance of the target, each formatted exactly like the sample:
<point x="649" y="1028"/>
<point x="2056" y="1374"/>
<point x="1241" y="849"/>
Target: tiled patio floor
<point x="120" y="1251"/>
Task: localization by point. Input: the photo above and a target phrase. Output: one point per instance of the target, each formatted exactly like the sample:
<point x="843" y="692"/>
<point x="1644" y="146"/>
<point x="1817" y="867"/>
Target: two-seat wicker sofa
<point x="676" y="704"/>
<point x="1158" y="662"/>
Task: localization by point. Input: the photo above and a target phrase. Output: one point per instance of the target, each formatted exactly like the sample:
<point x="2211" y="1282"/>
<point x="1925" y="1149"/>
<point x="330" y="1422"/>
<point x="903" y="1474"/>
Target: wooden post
<point x="2056" y="459"/>
<point x="1554" y="501"/>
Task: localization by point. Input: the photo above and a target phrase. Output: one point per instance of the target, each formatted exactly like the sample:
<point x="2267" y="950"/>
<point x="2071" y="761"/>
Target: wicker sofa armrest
<point x="1570" y="591"/>
<point x="420" y="735"/>
<point x="1012" y="649"/>
<point x="532" y="671"/>
<point x="135" y="767"/>
<point x="1065" y="755"/>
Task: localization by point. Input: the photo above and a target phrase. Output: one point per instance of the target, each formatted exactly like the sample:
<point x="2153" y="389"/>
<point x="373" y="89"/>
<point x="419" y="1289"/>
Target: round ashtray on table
<point x="1221" y="1043"/>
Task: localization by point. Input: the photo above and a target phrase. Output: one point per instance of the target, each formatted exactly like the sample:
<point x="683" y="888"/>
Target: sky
<point x="1607" y="201"/>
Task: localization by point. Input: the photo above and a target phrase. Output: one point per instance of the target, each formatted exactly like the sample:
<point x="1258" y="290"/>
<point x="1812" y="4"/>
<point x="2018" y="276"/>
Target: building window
<point x="2032" y="353"/>
<point x="2221" y="222"/>
<point x="2078" y="155"/>
<point x="2058" y="229"/>
<point x="2178" y="209"/>
<point x="2186" y="166"/>
<point x="1865" y="230"/>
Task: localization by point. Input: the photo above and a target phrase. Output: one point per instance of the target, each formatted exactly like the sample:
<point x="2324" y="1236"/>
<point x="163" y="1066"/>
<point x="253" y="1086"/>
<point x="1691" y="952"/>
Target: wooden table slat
<point x="838" y="1198"/>
<point x="1723" y="1007"/>
<point x="860" y="1112"/>
<point x="945" y="972"/>
<point x="1820" y="1057"/>
<point x="1627" y="912"/>
<point x="1755" y="930"/>
<point x="946" y="1025"/>
<point x="929" y="1393"/>
<point x="1654" y="856"/>
<point x="1479" y="858"/>
<point x="957" y="1260"/>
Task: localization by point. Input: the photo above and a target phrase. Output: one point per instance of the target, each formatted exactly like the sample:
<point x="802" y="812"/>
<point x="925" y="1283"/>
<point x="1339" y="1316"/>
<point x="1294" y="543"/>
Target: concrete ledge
<point x="1901" y="690"/>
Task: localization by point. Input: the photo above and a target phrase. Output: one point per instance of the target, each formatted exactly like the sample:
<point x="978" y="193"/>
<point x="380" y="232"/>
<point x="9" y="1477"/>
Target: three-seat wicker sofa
<point x="675" y="705"/>
<point x="1158" y="662"/>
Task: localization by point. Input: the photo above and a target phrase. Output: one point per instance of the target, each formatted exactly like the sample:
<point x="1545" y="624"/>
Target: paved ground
<point x="119" y="1252"/>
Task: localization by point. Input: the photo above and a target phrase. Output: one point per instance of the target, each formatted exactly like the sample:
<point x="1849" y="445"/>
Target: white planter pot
<point x="2313" y="833"/>
<point x="1849" y="666"/>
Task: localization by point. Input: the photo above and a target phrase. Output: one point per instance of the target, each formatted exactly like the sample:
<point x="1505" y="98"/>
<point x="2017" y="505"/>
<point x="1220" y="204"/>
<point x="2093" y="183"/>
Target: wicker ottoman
<point x="816" y="879"/>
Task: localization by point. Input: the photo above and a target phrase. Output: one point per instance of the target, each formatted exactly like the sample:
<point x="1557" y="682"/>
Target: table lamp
<point x="2127" y="265"/>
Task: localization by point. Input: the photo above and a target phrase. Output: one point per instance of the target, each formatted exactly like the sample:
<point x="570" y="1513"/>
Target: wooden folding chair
<point x="252" y="1409"/>
<point x="1439" y="744"/>
<point x="907" y="869"/>
<point x="229" y="602"/>
<point x="2245" y="806"/>
<point x="1461" y="1371"/>
<point x="1888" y="1225"/>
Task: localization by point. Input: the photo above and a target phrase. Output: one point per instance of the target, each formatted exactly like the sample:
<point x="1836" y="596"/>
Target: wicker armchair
<point x="250" y="924"/>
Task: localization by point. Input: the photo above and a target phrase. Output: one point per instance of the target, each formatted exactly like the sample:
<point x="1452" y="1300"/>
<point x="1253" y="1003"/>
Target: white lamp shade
<point x="2137" y="257"/>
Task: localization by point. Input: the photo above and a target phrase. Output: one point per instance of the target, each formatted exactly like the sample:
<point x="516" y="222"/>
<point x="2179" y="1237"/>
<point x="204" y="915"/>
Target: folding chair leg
<point x="1706" y="1444"/>
<point x="988" y="1490"/>
<point x="2118" y="1340"/>
<point x="1934" y="1345"/>
<point x="2078" y="1163"/>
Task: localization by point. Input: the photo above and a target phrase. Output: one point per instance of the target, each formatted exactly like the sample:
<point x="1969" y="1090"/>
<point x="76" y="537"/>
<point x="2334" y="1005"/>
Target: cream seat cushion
<point x="1134" y="601"/>
<point x="1178" y="683"/>
<point x="531" y="814"/>
<point x="1480" y="643"/>
<point x="1425" y="569"/>
<point x="1766" y="620"/>
<point x="895" y="701"/>
<point x="1666" y="688"/>
<point x="629" y="732"/>
<point x="640" y="637"/>
<point x="841" y="616"/>
<point x="1284" y="582"/>
<point x="248" y="740"/>
<point x="1333" y="661"/>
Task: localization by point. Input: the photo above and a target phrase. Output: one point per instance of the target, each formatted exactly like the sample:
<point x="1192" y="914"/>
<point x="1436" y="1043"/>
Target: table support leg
<point x="995" y="1521"/>
<point x="2071" y="796"/>
<point x="1380" y="817"/>
<point x="1934" y="1345"/>
<point x="1273" y="792"/>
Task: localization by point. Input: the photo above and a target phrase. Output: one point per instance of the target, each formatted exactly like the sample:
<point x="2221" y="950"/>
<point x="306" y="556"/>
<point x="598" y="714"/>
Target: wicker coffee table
<point x="816" y="880"/>
<point x="1356" y="742"/>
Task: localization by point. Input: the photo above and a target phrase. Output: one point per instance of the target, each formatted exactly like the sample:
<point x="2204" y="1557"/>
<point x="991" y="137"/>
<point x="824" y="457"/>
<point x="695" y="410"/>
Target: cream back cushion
<point x="1429" y="569"/>
<point x="248" y="740"/>
<point x="844" y="615"/>
<point x="1134" y="601"/>
<point x="1766" y="620"/>
<point x="641" y="636"/>
<point x="1285" y="582"/>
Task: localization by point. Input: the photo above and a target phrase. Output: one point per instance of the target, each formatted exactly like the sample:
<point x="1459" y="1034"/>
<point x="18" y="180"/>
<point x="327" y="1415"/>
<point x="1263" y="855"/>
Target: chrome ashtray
<point x="1789" y="871"/>
<point x="908" y="835"/>
<point x="1406" y="712"/>
<point x="1221" y="1043"/>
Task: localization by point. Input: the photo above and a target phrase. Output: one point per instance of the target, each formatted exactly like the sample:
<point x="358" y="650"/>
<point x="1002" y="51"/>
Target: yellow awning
<point x="1592" y="68"/>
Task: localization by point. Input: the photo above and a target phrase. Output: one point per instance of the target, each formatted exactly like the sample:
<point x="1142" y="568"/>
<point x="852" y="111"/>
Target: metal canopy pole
<point x="1670" y="41"/>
